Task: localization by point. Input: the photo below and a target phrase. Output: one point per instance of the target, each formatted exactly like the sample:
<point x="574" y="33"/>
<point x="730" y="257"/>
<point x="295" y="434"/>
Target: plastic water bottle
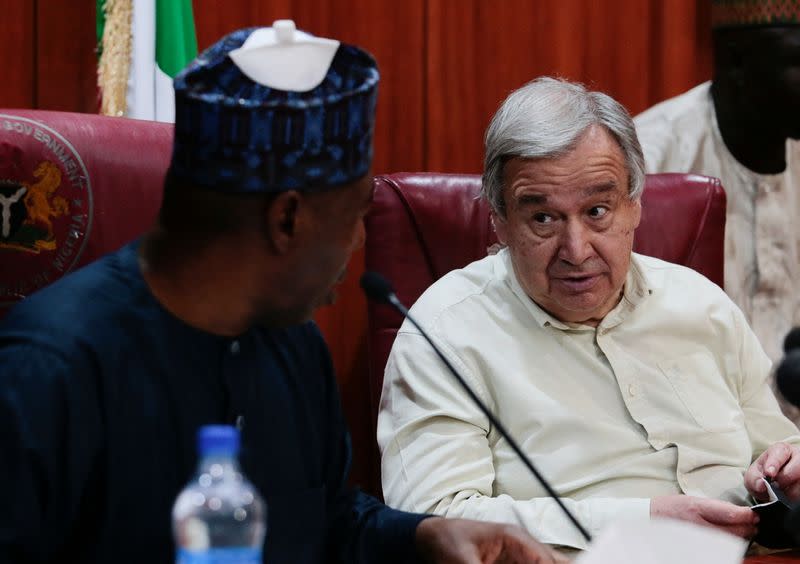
<point x="219" y="518"/>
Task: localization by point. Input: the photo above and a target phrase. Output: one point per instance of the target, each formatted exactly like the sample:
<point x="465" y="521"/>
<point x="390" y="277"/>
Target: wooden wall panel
<point x="680" y="46"/>
<point x="616" y="51"/>
<point x="66" y="62"/>
<point x="17" y="51"/>
<point x="215" y="18"/>
<point x="639" y="51"/>
<point x="477" y="53"/>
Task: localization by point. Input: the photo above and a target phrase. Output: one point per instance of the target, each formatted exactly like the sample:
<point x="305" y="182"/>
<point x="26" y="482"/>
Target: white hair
<point x="544" y="119"/>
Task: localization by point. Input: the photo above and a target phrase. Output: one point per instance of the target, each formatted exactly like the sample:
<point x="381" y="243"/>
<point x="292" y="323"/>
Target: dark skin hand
<point x="464" y="541"/>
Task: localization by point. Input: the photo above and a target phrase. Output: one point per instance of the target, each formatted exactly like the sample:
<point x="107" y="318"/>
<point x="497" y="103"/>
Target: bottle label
<point x="219" y="556"/>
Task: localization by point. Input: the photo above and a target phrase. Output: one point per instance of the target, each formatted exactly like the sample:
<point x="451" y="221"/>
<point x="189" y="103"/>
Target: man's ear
<point x="282" y="220"/>
<point x="500" y="227"/>
<point x="637" y="211"/>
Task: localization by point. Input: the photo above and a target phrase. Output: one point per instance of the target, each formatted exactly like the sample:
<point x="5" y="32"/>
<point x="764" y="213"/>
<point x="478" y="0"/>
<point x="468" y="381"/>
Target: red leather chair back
<point x="423" y="225"/>
<point x="75" y="187"/>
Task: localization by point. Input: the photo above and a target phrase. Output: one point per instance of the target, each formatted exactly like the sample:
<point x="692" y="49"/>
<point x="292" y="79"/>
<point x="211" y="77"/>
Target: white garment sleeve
<point x="765" y="422"/>
<point x="437" y="457"/>
<point x="657" y="142"/>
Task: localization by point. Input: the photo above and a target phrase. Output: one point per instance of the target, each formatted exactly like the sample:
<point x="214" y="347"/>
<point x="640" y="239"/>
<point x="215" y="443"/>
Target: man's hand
<point x="462" y="541"/>
<point x="779" y="463"/>
<point x="739" y="521"/>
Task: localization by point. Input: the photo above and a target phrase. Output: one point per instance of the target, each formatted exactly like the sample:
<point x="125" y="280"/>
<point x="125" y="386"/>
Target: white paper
<point x="772" y="496"/>
<point x="663" y="541"/>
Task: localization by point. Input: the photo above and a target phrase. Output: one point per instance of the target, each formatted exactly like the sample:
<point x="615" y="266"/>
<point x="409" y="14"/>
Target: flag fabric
<point x="143" y="44"/>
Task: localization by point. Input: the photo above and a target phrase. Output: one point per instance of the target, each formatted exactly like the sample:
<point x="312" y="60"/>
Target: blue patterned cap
<point x="236" y="135"/>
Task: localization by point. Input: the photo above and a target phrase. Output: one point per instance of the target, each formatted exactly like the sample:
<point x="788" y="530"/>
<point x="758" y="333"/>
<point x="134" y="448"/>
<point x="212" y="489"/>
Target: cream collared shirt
<point x="667" y="395"/>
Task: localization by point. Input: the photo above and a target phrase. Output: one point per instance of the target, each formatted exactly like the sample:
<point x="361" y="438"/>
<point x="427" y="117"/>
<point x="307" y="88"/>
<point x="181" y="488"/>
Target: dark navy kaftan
<point x="101" y="395"/>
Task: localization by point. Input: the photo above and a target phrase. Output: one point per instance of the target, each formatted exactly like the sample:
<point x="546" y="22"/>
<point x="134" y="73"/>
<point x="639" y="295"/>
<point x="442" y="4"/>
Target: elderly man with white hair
<point x="635" y="385"/>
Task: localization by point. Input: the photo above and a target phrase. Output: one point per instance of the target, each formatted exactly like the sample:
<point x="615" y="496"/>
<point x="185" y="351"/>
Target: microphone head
<point x="787" y="377"/>
<point x="376" y="287"/>
<point x="792" y="340"/>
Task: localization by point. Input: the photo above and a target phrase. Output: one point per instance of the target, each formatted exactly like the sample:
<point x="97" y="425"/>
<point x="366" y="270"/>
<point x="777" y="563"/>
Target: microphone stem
<point x="494" y="421"/>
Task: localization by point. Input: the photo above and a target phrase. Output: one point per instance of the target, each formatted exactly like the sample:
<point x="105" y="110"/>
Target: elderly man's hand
<point x="462" y="541"/>
<point x="733" y="519"/>
<point x="779" y="463"/>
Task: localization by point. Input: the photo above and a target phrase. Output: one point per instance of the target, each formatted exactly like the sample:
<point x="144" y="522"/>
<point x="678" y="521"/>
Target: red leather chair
<point x="74" y="187"/>
<point x="423" y="225"/>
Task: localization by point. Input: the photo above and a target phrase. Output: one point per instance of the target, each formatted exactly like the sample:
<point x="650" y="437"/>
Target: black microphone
<point x="792" y="340"/>
<point x="787" y="379"/>
<point x="377" y="288"/>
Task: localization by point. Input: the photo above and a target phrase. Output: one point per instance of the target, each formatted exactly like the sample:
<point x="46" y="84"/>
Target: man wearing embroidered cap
<point x="106" y="375"/>
<point x="743" y="127"/>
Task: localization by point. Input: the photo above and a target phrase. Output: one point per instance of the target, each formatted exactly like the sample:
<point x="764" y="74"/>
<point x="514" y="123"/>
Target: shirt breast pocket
<point x="703" y="391"/>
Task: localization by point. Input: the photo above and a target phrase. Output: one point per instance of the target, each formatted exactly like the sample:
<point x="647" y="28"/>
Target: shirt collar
<point x="638" y="286"/>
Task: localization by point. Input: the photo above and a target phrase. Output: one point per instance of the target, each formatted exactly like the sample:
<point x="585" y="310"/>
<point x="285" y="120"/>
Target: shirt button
<point x="632" y="390"/>
<point x="235" y="347"/>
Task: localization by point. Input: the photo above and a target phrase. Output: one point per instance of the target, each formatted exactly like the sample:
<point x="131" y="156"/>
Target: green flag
<point x="162" y="42"/>
<point x="176" y="43"/>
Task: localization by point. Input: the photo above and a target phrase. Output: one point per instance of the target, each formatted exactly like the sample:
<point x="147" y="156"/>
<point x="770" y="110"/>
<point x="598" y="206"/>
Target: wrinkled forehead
<point x="596" y="152"/>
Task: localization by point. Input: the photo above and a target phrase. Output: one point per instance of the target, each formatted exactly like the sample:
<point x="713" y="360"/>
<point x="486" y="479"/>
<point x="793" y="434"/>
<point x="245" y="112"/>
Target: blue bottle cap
<point x="218" y="440"/>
